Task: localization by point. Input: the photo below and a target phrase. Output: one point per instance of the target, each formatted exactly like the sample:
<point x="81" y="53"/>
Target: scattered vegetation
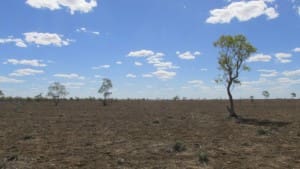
<point x="293" y="95"/>
<point x="203" y="157"/>
<point x="105" y="87"/>
<point x="266" y="94"/>
<point x="1" y="94"/>
<point x="179" y="146"/>
<point x="252" y="99"/>
<point x="56" y="91"/>
<point x="234" y="51"/>
<point x="262" y="132"/>
<point x="175" y="98"/>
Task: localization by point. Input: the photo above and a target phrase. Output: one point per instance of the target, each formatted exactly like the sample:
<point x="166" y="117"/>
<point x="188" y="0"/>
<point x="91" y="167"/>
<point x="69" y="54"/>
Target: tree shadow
<point x="266" y="123"/>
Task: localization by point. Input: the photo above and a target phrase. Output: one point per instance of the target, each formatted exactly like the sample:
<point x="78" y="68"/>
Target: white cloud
<point x="101" y="67"/>
<point x="268" y="73"/>
<point x="74" y="85"/>
<point x="18" y="42"/>
<point x="188" y="55"/>
<point x="141" y="53"/>
<point x="165" y="65"/>
<point x="129" y="75"/>
<point x="4" y="79"/>
<point x="85" y="30"/>
<point x="296" y="50"/>
<point x="33" y="62"/>
<point x="70" y="76"/>
<point x="288" y="81"/>
<point x="196" y="82"/>
<point x="242" y="11"/>
<point x="147" y="75"/>
<point x="283" y="57"/>
<point x="259" y="58"/>
<point x="46" y="39"/>
<point x="118" y="62"/>
<point x="138" y="64"/>
<point x="163" y="74"/>
<point x="157" y="60"/>
<point x="82" y="6"/>
<point x="292" y="73"/>
<point x="26" y="72"/>
<point x="204" y="69"/>
<point x="98" y="76"/>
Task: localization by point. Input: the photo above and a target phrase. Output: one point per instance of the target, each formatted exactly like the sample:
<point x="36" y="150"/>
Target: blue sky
<point x="149" y="49"/>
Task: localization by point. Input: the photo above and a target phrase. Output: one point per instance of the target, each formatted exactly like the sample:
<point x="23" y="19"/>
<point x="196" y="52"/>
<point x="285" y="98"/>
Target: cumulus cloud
<point x="259" y="58"/>
<point x="147" y="75"/>
<point x="85" y="30"/>
<point x="73" y="85"/>
<point x="82" y="6"/>
<point x="118" y="62"/>
<point x="196" y="82"/>
<point x="141" y="53"/>
<point x="138" y="64"/>
<point x="288" y="81"/>
<point x="4" y="79"/>
<point x="283" y="57"/>
<point x="33" y="62"/>
<point x="101" y="67"/>
<point x="268" y="73"/>
<point x="26" y="72"/>
<point x="292" y="73"/>
<point x="163" y="74"/>
<point x="17" y="41"/>
<point x="242" y="11"/>
<point x="129" y="75"/>
<point x="46" y="39"/>
<point x="70" y="76"/>
<point x="156" y="59"/>
<point x="188" y="55"/>
<point x="296" y="49"/>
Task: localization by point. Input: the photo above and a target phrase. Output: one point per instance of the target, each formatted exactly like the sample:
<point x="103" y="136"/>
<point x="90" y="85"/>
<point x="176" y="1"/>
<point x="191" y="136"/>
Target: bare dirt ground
<point x="141" y="135"/>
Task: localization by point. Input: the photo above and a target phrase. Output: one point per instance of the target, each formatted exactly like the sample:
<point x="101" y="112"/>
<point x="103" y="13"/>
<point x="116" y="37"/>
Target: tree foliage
<point x="266" y="94"/>
<point x="104" y="89"/>
<point x="1" y="94"/>
<point x="233" y="53"/>
<point x="57" y="91"/>
<point x="293" y="94"/>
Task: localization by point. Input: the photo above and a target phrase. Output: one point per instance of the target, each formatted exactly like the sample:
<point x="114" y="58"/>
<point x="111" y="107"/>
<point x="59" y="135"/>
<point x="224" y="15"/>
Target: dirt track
<point x="141" y="135"/>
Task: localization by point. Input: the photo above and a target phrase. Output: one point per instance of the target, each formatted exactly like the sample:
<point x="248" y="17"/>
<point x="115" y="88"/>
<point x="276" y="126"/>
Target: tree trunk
<point x="231" y="108"/>
<point x="104" y="101"/>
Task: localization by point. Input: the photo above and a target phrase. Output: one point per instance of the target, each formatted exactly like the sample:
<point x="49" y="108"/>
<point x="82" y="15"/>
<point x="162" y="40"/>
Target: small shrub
<point x="262" y="132"/>
<point x="203" y="157"/>
<point x="155" y="122"/>
<point x="179" y="146"/>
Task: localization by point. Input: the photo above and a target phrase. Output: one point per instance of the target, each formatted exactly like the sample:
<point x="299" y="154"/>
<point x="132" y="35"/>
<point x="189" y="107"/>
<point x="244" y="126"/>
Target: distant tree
<point x="175" y="98"/>
<point x="38" y="97"/>
<point x="252" y="99"/>
<point x="293" y="95"/>
<point x="234" y="51"/>
<point x="104" y="89"/>
<point x="266" y="94"/>
<point x="57" y="91"/>
<point x="1" y="94"/>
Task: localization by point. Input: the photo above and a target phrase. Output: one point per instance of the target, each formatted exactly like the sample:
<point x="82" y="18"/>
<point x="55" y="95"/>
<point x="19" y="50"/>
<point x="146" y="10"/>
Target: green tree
<point x="233" y="52"/>
<point x="104" y="89"/>
<point x="266" y="94"/>
<point x="1" y="94"/>
<point x="56" y="91"/>
<point x="293" y="95"/>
